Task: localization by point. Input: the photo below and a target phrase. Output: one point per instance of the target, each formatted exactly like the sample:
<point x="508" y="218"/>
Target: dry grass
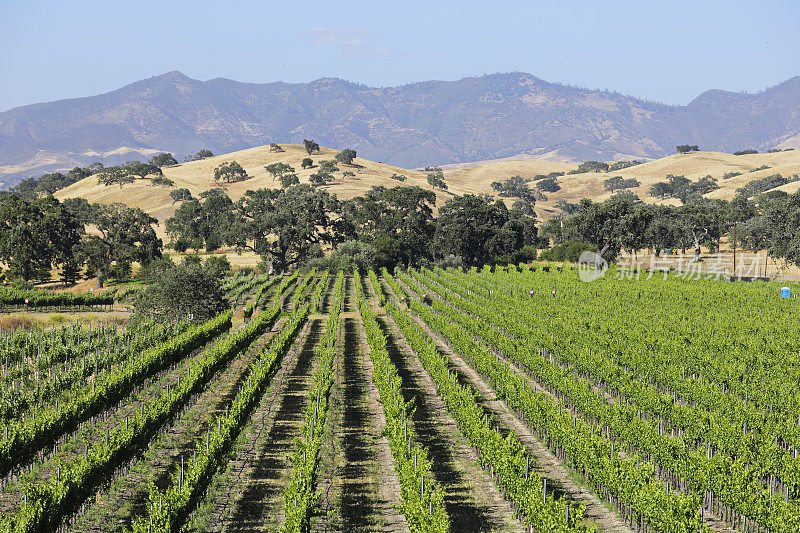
<point x="30" y="319"/>
<point x="197" y="176"/>
<point x="237" y="260"/>
<point x="16" y="321"/>
<point x="590" y="185"/>
<point x="476" y="178"/>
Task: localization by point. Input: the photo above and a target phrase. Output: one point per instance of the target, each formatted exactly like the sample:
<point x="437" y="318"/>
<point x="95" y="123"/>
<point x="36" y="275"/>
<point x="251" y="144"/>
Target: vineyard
<point x="510" y="399"/>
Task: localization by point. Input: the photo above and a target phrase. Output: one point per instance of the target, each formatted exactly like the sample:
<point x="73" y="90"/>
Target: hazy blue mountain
<point x="435" y="122"/>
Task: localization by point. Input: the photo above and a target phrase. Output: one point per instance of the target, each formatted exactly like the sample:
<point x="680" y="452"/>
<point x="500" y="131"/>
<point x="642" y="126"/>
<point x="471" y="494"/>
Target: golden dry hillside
<point x="590" y="185"/>
<point x="197" y="176"/>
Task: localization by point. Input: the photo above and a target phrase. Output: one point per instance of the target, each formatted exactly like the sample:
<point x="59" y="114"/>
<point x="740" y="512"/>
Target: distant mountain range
<point x="428" y="123"/>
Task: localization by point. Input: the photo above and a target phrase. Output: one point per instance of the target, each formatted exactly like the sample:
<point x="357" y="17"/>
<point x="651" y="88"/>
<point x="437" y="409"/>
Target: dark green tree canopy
<point x="180" y="195"/>
<point x="621" y="165"/>
<point x="141" y="170"/>
<point x="115" y="175"/>
<point x="610" y="226"/>
<point x="320" y="178"/>
<point x="211" y="193"/>
<point x="515" y="186"/>
<point x="287" y="180"/>
<point x="397" y="221"/>
<point x="202" y="154"/>
<point x="208" y="225"/>
<point x="276" y="170"/>
<point x="230" y="172"/>
<point x="163" y="160"/>
<point x="480" y="230"/>
<point x="125" y="235"/>
<point x="329" y="166"/>
<point x="592" y="166"/>
<point x="436" y="180"/>
<point x="756" y="187"/>
<point x="548" y="185"/>
<point x="162" y="181"/>
<point x="284" y="225"/>
<point x="36" y="234"/>
<point x="619" y="183"/>
<point x="683" y="188"/>
<point x="310" y="146"/>
<point x="177" y="291"/>
<point x="346" y="156"/>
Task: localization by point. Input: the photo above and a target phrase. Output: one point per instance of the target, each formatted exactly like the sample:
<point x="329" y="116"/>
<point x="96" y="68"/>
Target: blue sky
<point x="664" y="51"/>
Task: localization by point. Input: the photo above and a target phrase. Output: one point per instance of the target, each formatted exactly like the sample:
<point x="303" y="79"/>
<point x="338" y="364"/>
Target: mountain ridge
<point x="424" y="123"/>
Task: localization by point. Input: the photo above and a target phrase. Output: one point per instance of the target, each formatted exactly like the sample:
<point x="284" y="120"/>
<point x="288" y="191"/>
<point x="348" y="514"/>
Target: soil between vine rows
<point x="260" y="506"/>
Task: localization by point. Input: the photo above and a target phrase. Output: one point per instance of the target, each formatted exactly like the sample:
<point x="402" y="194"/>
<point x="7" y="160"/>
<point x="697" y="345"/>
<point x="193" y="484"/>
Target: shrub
<point x="762" y="167"/>
<point x="162" y="181"/>
<point x="179" y="290"/>
<point x="523" y="255"/>
<point x="348" y="256"/>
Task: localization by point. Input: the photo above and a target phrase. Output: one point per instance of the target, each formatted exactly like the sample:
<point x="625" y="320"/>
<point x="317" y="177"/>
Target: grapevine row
<point x="42" y="431"/>
<point x="505" y="456"/>
<point x="421" y="502"/>
<point x="169" y="509"/>
<point x="299" y="497"/>
<point x="733" y="481"/>
<point x="49" y="503"/>
<point x="628" y="483"/>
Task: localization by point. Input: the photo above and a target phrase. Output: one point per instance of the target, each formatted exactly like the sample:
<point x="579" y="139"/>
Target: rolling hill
<point x="510" y="115"/>
<point x="197" y="176"/>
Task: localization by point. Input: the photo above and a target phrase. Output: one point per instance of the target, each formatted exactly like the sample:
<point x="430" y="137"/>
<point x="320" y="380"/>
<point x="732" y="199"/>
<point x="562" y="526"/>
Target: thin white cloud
<point x="354" y="42"/>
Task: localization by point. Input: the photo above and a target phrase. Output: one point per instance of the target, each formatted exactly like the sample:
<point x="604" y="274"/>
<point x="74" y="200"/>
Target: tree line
<point x="395" y="226"/>
<point x="39" y="234"/>
<point x="769" y="221"/>
<point x="107" y="175"/>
